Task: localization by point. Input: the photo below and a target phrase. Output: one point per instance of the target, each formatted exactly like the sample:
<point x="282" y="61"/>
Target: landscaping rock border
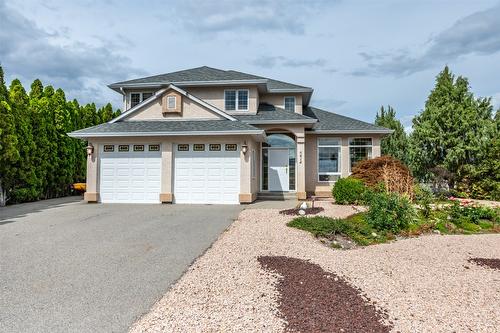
<point x="492" y="263"/>
<point x="312" y="300"/>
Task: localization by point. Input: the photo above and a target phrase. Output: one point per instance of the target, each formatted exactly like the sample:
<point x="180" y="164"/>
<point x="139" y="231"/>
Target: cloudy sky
<point x="357" y="55"/>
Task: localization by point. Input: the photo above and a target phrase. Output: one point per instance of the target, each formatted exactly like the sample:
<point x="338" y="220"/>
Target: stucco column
<point x="166" y="195"/>
<point x="246" y="195"/>
<point x="301" y="169"/>
<point x="91" y="193"/>
<point x="344" y="157"/>
<point x="376" y="151"/>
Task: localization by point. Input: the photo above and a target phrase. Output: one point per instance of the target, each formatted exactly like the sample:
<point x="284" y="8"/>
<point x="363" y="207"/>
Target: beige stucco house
<point x="206" y="135"/>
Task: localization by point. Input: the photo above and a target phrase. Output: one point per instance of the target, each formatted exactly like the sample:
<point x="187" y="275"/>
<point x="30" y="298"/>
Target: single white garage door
<point x="130" y="173"/>
<point x="207" y="173"/>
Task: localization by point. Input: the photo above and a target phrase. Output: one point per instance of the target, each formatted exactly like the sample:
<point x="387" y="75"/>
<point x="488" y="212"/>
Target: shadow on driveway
<point x="21" y="210"/>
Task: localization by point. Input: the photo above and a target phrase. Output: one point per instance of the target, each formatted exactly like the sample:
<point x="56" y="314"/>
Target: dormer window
<point x="290" y="103"/>
<point x="171" y="102"/>
<point x="236" y="100"/>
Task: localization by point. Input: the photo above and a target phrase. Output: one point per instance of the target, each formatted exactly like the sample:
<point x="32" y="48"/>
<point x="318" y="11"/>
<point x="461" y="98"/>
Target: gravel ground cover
<point x="312" y="300"/>
<point x="425" y="284"/>
<point x="308" y="211"/>
<point x="487" y="262"/>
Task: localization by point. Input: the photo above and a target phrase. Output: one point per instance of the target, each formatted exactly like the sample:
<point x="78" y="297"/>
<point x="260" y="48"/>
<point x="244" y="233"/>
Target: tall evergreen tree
<point x="9" y="153"/>
<point x="37" y="158"/>
<point x="451" y="130"/>
<point x="26" y="183"/>
<point x="105" y="113"/>
<point x="395" y="144"/>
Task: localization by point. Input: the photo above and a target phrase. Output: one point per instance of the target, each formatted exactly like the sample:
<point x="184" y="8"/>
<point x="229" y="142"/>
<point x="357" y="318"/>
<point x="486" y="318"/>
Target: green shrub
<point x="390" y="212"/>
<point x="472" y="214"/>
<point x="349" y="191"/>
<point x="354" y="227"/>
<point x="424" y="198"/>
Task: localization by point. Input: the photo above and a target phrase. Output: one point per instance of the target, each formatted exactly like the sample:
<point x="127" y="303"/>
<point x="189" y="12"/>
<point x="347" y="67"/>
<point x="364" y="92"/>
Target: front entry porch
<point x="282" y="166"/>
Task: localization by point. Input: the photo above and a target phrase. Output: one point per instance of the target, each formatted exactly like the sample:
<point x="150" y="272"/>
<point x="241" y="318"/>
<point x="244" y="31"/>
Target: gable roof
<point x="167" y="128"/>
<point x="332" y="123"/>
<point x="159" y="93"/>
<point x="270" y="114"/>
<point x="203" y="76"/>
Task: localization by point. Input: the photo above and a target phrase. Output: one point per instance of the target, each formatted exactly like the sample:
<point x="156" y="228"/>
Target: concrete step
<point x="282" y="196"/>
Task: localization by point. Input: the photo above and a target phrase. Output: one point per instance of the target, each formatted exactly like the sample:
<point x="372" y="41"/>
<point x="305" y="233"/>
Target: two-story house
<point x="205" y="135"/>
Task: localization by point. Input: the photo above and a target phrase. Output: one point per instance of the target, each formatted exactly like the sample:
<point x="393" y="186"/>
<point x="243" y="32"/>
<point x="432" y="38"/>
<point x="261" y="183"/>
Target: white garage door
<point x="130" y="173"/>
<point x="207" y="173"/>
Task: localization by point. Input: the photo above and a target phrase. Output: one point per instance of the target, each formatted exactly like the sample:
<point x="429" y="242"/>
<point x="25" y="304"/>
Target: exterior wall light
<point x="90" y="149"/>
<point x="244" y="148"/>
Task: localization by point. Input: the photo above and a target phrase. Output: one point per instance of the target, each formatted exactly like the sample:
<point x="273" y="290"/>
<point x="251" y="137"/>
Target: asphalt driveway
<point x="74" y="267"/>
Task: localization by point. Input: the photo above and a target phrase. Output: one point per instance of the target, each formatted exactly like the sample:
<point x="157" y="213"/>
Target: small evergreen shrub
<point x="349" y="191"/>
<point x="424" y="198"/>
<point x="390" y="212"/>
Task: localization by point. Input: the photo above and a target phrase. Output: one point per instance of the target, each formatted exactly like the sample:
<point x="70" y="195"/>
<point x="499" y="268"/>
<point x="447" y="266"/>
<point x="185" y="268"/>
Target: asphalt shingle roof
<point x="208" y="74"/>
<point x="131" y="127"/>
<point x="268" y="112"/>
<point x="329" y="121"/>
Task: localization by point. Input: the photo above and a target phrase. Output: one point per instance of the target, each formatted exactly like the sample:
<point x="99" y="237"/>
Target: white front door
<point x="206" y="177"/>
<point x="278" y="170"/>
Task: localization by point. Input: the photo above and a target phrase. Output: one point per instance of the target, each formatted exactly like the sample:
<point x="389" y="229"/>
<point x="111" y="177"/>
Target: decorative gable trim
<point x="182" y="92"/>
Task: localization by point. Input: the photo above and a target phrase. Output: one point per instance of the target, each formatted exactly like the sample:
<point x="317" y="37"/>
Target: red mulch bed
<point x="295" y="211"/>
<point x="491" y="263"/>
<point x="312" y="300"/>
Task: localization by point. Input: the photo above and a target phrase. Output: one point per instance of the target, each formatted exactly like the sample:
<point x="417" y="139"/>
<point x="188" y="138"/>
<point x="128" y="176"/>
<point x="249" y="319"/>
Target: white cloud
<point x="29" y="52"/>
<point x="478" y="33"/>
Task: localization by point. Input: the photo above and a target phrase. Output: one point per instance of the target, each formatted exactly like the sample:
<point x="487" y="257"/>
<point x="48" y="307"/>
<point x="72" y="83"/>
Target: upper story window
<point x="236" y="100"/>
<point x="136" y="98"/>
<point x="171" y="102"/>
<point x="290" y="103"/>
<point x="359" y="149"/>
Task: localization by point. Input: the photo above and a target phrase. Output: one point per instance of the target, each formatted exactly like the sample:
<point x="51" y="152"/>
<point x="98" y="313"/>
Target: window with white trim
<point x="359" y="149"/>
<point x="236" y="100"/>
<point x="289" y="103"/>
<point x="135" y="98"/>
<point x="139" y="97"/>
<point x="171" y="102"/>
<point x="329" y="159"/>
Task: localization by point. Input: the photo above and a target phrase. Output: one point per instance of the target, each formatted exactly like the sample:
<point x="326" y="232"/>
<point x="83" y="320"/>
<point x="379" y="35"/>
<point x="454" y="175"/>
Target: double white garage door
<point x="202" y="173"/>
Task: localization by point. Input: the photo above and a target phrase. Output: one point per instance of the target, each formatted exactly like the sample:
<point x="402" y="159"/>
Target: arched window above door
<point x="279" y="140"/>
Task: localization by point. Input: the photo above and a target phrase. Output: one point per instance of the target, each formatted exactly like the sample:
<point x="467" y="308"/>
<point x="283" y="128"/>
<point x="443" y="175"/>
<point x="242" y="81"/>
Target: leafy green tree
<point x="105" y="113"/>
<point x="26" y="182"/>
<point x="37" y="158"/>
<point x="395" y="144"/>
<point x="9" y="154"/>
<point x="117" y="113"/>
<point x="39" y="124"/>
<point x="452" y="129"/>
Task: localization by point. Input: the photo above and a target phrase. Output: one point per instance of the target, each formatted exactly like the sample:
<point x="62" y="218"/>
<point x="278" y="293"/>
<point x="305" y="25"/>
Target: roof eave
<point x="158" y="84"/>
<point x="84" y="135"/>
<point x="373" y="131"/>
<point x="291" y="121"/>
